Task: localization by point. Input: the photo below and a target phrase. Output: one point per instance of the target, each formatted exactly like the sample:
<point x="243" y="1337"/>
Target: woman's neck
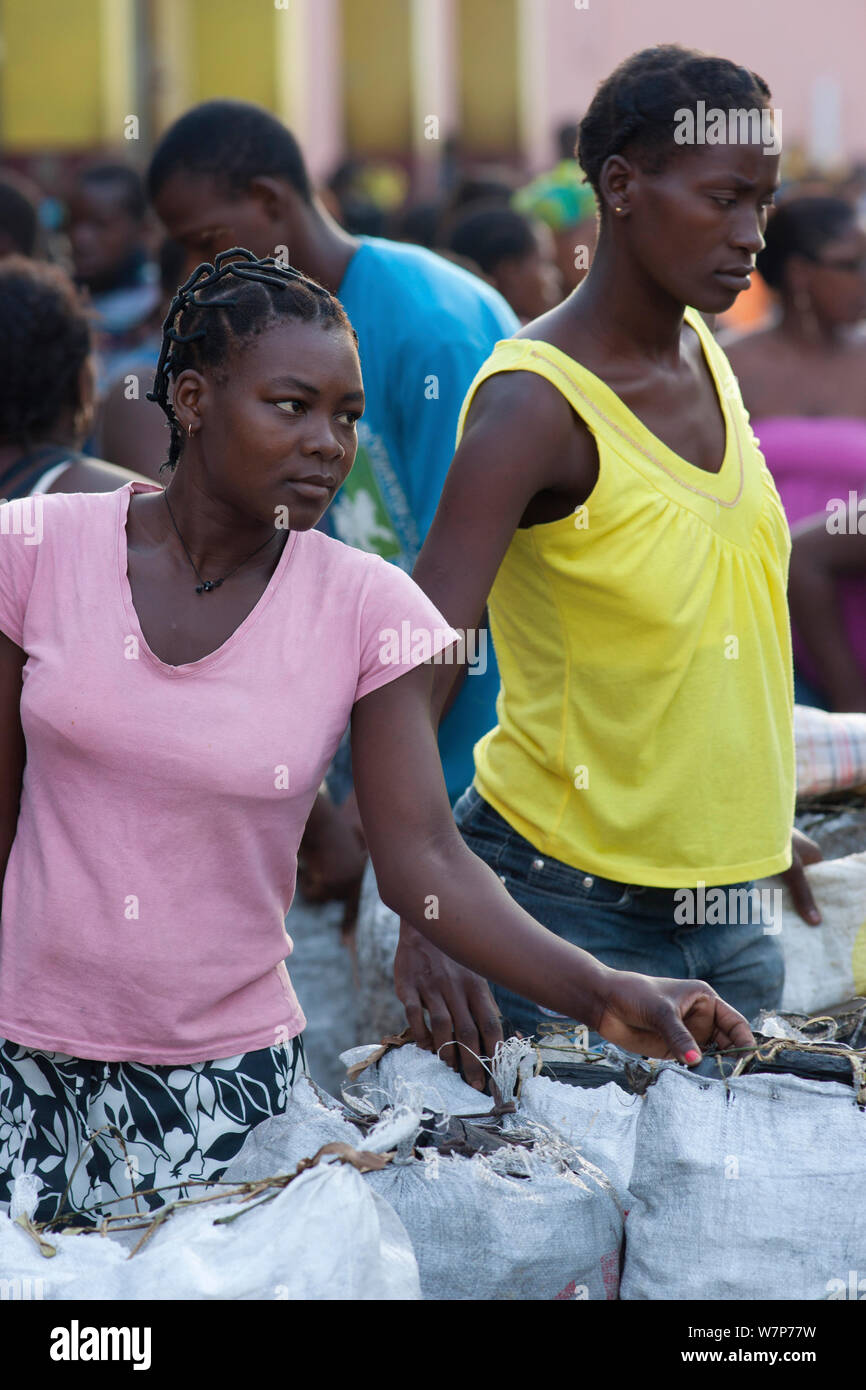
<point x="626" y="312"/>
<point x="216" y="535"/>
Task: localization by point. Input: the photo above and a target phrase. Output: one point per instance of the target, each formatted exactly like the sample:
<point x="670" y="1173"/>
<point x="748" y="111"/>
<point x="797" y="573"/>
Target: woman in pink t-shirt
<point x="176" y="671"/>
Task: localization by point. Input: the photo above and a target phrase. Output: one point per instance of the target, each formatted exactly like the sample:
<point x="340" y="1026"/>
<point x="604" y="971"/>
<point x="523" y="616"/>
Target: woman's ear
<point x="187" y="400"/>
<point x="615" y="184"/>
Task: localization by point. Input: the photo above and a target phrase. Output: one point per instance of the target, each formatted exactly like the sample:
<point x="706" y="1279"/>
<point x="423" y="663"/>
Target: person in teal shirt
<point x="424" y="326"/>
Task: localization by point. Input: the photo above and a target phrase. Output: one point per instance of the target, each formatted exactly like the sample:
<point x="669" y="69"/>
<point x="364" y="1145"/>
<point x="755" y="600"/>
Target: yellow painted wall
<point x="487" y="76"/>
<point x="232" y="50"/>
<point x="377" y="76"/>
<point x="50" y="79"/>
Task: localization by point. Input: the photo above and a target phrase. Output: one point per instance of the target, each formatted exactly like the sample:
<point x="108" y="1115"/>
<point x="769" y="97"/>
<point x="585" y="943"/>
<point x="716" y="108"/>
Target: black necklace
<point x="205" y="586"/>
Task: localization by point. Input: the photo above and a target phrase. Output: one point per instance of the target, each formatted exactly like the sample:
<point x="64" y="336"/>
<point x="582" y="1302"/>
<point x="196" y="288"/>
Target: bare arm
<point x="819" y="559"/>
<point x="12" y="749"/>
<point x="522" y="446"/>
<point x="427" y="874"/>
<point x="521" y="449"/>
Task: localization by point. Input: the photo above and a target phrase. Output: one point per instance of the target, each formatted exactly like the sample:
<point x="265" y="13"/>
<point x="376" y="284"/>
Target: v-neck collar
<point x="188" y="668"/>
<point x="723" y="487"/>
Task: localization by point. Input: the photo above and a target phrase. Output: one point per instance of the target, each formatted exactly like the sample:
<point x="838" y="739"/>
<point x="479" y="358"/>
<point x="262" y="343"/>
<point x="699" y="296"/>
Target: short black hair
<point x="19" y="213"/>
<point x="235" y="141"/>
<point x="46" y="339"/>
<point x="634" y="109"/>
<point x="417" y="223"/>
<point x="489" y="235"/>
<point x="486" y="186"/>
<point x="224" y="305"/>
<point x="801" y="226"/>
<point x="104" y="174"/>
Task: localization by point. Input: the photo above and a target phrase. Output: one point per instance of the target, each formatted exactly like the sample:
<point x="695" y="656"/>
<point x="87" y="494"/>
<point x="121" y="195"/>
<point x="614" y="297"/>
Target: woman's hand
<point x="803" y="851"/>
<point x="668" y="1018"/>
<point x="428" y="875"/>
<point x="461" y="1009"/>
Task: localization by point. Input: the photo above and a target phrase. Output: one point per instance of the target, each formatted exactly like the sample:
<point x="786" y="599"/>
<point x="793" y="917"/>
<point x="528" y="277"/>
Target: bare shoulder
<point x="522" y="427"/>
<point x="521" y="400"/>
<point x="95" y="475"/>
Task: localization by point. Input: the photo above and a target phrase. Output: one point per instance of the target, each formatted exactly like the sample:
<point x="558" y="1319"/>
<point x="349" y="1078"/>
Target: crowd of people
<point x="235" y="408"/>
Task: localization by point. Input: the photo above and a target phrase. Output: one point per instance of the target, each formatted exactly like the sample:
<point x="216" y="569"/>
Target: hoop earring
<point x="189" y="430"/>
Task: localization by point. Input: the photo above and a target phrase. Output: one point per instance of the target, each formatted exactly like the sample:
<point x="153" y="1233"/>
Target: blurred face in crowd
<point x="102" y="233"/>
<point x="532" y="283"/>
<point x="207" y="217"/>
<point x="835" y="281"/>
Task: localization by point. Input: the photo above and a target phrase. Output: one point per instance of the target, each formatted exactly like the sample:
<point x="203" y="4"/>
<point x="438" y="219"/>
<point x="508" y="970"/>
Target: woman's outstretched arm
<point x="428" y="875"/>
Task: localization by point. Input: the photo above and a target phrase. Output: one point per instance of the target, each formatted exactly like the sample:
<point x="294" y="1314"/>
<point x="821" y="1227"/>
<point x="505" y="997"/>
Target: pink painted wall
<point x="323" y="138"/>
<point x="791" y="43"/>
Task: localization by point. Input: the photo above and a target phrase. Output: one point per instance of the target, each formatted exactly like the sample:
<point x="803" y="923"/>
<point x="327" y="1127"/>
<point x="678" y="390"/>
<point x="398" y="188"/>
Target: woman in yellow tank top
<point x="609" y="504"/>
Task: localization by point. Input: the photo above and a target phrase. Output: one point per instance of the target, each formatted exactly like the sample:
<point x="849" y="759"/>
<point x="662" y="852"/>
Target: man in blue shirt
<point x="228" y="173"/>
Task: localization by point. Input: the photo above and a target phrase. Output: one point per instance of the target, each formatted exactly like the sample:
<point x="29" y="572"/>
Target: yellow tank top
<point x="645" y="716"/>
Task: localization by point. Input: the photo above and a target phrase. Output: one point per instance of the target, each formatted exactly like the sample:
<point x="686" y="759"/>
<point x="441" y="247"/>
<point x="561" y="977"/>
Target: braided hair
<point x="224" y="305"/>
<point x="635" y="108"/>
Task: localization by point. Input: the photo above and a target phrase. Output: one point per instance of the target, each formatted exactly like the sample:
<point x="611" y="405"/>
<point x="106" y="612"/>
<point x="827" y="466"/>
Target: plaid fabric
<point x="831" y="751"/>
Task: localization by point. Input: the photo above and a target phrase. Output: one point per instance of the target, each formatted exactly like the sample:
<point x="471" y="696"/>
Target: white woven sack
<point x="745" y="1190"/>
<point x="826" y="964"/>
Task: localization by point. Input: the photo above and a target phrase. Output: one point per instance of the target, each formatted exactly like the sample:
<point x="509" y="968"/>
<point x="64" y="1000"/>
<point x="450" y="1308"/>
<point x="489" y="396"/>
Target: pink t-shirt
<point x="162" y="806"/>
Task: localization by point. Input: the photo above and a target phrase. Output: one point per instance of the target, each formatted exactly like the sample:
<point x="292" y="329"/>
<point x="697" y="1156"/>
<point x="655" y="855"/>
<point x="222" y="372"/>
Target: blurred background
<point x="358" y="78"/>
<point x="407" y="111"/>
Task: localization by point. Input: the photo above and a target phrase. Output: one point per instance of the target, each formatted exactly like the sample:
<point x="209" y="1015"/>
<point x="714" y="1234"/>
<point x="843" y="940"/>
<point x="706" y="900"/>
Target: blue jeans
<point x="625" y="926"/>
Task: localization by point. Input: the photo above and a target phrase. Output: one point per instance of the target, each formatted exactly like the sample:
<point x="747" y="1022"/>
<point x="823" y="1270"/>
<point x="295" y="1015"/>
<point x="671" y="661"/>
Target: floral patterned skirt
<point x="106" y="1130"/>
